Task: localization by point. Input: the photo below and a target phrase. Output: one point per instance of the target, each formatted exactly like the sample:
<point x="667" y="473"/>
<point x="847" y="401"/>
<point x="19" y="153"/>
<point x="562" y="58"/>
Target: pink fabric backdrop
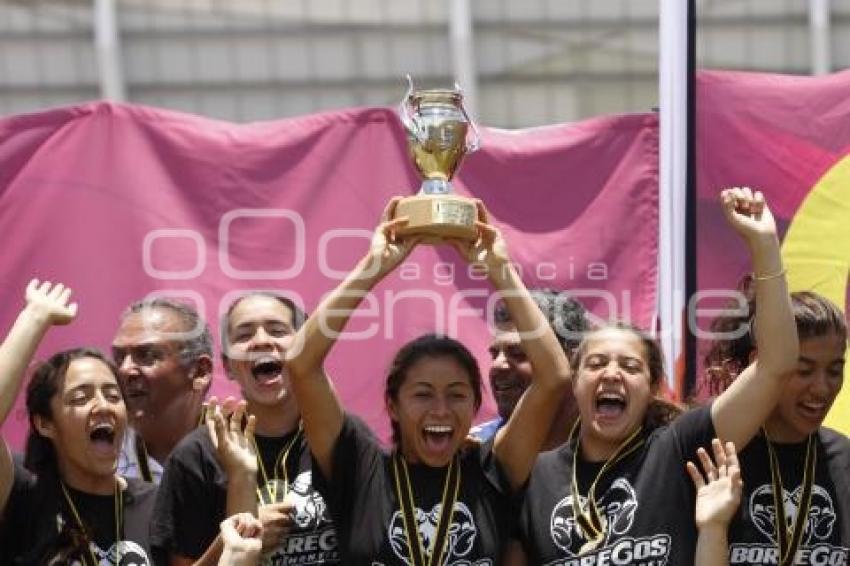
<point x="120" y="201"/>
<point x="777" y="133"/>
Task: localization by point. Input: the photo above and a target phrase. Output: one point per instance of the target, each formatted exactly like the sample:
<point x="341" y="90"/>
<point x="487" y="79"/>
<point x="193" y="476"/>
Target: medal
<point x="404" y="492"/>
<point x="789" y="539"/>
<point x="119" y="522"/>
<point x="274" y="490"/>
<point x="591" y="525"/>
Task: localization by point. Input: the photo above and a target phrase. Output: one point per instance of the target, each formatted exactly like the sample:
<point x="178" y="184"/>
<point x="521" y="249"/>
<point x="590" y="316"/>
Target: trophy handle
<point x="475" y="143"/>
<point x="407" y="119"/>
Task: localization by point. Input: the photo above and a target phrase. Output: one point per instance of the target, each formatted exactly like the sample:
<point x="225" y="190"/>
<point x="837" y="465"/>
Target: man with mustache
<point x="510" y="371"/>
<point x="163" y="350"/>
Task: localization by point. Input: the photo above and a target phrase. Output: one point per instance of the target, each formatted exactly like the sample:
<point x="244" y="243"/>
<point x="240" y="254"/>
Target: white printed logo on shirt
<point x="314" y="538"/>
<point x="818" y="525"/>
<point x="461" y="535"/>
<point x="123" y="553"/>
<point x="617" y="508"/>
<point x="817" y="530"/>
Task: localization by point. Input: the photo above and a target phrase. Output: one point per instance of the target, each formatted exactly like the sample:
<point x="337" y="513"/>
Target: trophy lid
<point x="437" y="96"/>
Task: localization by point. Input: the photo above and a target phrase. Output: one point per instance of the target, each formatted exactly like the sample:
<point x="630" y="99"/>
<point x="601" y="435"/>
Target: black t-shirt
<point x="363" y="502"/>
<point x="647" y="501"/>
<point x="37" y="522"/>
<point x="193" y="497"/>
<point x="826" y="535"/>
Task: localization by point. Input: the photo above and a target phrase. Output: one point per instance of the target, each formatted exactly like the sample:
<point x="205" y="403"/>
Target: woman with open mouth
<point x="68" y="506"/>
<point x="617" y="492"/>
<point x="435" y="498"/>
<point x="796" y="471"/>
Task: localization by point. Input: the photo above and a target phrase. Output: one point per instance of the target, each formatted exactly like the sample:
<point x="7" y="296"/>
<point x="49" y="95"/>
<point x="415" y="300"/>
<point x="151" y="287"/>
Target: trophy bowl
<point x="437" y="125"/>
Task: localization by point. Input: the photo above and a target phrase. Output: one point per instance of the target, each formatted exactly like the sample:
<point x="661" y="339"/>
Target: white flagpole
<point x="108" y="49"/>
<point x="672" y="91"/>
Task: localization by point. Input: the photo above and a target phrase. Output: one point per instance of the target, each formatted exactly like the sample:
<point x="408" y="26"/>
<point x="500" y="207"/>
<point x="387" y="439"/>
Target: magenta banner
<point x="789" y="137"/>
<point x="120" y="202"/>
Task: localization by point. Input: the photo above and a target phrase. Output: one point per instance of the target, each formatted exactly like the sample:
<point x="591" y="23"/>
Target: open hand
<point x="234" y="445"/>
<point x="51" y="301"/>
<point x="719" y="489"/>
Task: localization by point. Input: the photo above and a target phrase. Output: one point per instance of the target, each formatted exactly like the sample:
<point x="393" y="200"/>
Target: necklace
<point x="267" y="494"/>
<point x="590" y="522"/>
<point x="404" y="492"/>
<point x="119" y="521"/>
<point x="789" y="539"/>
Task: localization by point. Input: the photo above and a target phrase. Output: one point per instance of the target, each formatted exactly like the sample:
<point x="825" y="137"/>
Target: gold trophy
<point x="436" y="124"/>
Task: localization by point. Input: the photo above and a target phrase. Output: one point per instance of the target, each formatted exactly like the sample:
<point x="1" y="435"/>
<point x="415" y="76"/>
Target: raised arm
<point x="741" y="409"/>
<point x="719" y="489"/>
<point x="519" y="441"/>
<point x="321" y="411"/>
<point x="47" y="304"/>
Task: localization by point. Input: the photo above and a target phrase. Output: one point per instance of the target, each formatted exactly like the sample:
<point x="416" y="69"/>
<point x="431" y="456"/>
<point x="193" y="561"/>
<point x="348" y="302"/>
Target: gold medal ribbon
<point x="270" y="490"/>
<point x="404" y="492"/>
<point x="789" y="539"/>
<point x="119" y="522"/>
<point x="590" y="522"/>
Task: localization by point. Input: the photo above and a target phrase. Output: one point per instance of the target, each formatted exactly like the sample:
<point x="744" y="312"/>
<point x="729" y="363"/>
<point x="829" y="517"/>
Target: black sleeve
<point x="18" y="511"/>
<point x="493" y="470"/>
<point x="836" y="449"/>
<point x="356" y="458"/>
<point x="692" y="430"/>
<point x="188" y="506"/>
<point x="510" y="500"/>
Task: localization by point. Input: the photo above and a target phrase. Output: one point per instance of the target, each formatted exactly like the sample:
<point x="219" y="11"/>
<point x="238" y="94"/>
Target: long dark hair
<point x="660" y="411"/>
<point x="814" y="314"/>
<point x="429" y="346"/>
<point x="47" y="381"/>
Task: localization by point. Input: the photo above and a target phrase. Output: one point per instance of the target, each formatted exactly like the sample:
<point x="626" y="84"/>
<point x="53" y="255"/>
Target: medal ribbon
<point x="404" y="492"/>
<point x="119" y="521"/>
<point x="280" y="464"/>
<point x="142" y="459"/>
<point x="790" y="539"/>
<point x="589" y="521"/>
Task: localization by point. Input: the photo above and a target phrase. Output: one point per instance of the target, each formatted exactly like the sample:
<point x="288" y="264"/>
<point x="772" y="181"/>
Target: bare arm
<point x="519" y="441"/>
<point x="321" y="410"/>
<point x="740" y="411"/>
<point x="718" y="496"/>
<point x="46" y="305"/>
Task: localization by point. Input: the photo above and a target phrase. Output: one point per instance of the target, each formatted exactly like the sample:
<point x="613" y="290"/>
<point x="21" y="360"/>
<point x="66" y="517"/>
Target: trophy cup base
<point x="438" y="217"/>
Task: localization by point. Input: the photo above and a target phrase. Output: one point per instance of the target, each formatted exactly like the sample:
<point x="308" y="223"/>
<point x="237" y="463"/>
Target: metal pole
<point x="819" y="31"/>
<point x="463" y="52"/>
<point x="108" y="50"/>
<point x="673" y="94"/>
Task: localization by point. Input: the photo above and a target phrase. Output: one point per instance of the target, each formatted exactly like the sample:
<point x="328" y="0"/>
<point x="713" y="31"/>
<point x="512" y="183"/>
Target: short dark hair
<point x="198" y="343"/>
<point x="298" y="314"/>
<point x="430" y="346"/>
<point x="814" y="314"/>
<point x="565" y="314"/>
<point x="46" y="381"/>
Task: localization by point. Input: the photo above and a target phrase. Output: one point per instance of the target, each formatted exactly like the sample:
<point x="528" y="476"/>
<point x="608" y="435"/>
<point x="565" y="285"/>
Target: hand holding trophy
<point x="437" y="124"/>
